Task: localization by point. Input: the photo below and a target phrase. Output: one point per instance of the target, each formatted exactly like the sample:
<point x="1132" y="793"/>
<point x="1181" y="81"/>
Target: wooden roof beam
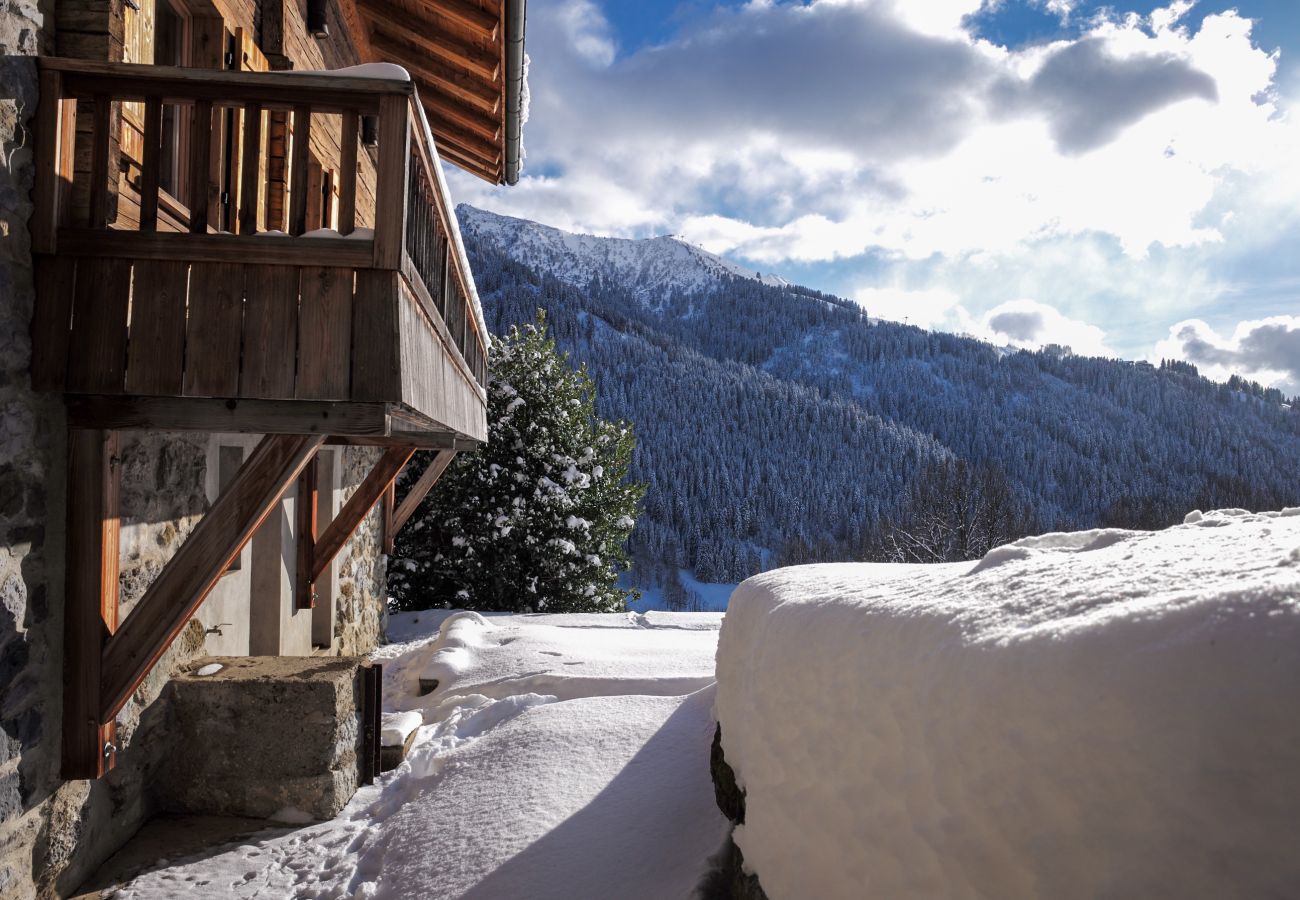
<point x="475" y="122"/>
<point x="474" y="167"/>
<point x="467" y="146"/>
<point x="397" y="23"/>
<point x="466" y="13"/>
<point x="440" y="78"/>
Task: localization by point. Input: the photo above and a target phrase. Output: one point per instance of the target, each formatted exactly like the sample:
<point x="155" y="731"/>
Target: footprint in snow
<point x="550" y="653"/>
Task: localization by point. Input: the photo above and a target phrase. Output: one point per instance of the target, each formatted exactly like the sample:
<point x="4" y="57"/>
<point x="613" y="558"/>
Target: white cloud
<point x="1022" y="323"/>
<point x="1265" y="350"/>
<point x="927" y="308"/>
<point x="1107" y="175"/>
<point x="1028" y="324"/>
<point x="588" y="32"/>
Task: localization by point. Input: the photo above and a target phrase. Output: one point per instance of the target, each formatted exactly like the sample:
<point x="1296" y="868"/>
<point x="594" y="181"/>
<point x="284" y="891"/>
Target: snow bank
<point x="397" y="727"/>
<point x="1101" y="714"/>
<point x="567" y="656"/>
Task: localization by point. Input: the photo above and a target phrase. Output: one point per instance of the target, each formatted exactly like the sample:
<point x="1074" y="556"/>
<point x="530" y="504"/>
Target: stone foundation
<point x="728" y="880"/>
<point x="266" y="737"/>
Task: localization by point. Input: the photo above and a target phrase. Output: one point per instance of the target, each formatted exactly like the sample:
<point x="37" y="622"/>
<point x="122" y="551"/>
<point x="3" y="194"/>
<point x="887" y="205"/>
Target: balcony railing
<point x="229" y="235"/>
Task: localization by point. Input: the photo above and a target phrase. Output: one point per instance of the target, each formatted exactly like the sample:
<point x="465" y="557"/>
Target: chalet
<point x="236" y="306"/>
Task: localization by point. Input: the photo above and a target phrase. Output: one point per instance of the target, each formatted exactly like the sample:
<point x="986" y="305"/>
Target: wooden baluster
<point x="248" y="188"/>
<point x="99" y="161"/>
<point x="444" y="289"/>
<point x="67" y="172"/>
<point x="233" y="145"/>
<point x="151" y="165"/>
<point x="298" y="173"/>
<point x="200" y="150"/>
<point x="348" y="173"/>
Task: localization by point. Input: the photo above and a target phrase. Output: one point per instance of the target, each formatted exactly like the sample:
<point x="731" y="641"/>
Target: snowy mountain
<point x="777" y="424"/>
<point x="655" y="266"/>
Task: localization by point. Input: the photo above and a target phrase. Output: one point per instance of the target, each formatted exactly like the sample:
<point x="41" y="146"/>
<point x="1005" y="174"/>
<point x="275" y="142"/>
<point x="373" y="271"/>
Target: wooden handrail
<point x="425" y="160"/>
<point x="323" y="91"/>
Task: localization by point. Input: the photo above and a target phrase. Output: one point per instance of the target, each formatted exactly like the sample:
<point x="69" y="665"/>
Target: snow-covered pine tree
<point x="538" y="519"/>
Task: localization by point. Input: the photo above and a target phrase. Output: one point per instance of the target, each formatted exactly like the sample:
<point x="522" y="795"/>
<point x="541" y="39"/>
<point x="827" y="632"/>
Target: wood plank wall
<point x="165" y="328"/>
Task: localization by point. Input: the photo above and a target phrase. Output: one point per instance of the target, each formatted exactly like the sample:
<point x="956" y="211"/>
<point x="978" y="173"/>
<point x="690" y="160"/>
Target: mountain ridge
<point x="655" y="263"/>
<point x="776" y="423"/>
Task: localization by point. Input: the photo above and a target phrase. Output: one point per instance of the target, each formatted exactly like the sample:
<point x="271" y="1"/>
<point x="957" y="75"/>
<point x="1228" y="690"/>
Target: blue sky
<point x="1121" y="178"/>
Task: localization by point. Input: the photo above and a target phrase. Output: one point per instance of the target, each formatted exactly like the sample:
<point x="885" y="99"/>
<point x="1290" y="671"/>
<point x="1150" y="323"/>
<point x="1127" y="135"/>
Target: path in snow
<point x="559" y="757"/>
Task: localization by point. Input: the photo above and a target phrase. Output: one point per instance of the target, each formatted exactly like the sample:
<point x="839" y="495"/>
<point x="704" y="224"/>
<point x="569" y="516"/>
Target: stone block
<point x="267" y="736"/>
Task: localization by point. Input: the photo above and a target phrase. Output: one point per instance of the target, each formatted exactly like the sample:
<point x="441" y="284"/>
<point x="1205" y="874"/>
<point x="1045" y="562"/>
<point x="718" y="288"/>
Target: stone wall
<point x="30" y="487"/>
<point x="362" y="599"/>
<point x="52" y="833"/>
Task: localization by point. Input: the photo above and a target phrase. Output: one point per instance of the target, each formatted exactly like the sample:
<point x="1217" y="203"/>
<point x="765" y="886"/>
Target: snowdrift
<point x="1106" y="713"/>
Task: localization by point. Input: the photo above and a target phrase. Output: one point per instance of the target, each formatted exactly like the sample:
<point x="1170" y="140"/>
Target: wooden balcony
<point x="222" y="251"/>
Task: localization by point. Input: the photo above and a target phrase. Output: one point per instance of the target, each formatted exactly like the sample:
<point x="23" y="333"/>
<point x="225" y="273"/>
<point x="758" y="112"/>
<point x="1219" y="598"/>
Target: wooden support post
<point x="389" y="532"/>
<point x="205" y="556"/>
<point x="372" y="702"/>
<point x="359" y="505"/>
<point x="304" y="591"/>
<point x="390" y="189"/>
<point x="411" y="502"/>
<point x="90" y="607"/>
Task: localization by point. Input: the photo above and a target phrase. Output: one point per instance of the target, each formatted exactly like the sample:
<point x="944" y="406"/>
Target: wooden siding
<point x="221" y="330"/>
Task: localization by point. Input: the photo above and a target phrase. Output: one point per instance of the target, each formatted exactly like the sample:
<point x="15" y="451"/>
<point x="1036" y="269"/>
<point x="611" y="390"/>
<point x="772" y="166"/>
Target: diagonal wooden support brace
<point x="358" y="507"/>
<point x="190" y="575"/>
<point x="411" y="502"/>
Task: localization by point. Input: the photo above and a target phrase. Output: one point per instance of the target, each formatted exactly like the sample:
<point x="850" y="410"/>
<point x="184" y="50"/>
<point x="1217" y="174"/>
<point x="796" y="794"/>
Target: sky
<point x="1123" y="179"/>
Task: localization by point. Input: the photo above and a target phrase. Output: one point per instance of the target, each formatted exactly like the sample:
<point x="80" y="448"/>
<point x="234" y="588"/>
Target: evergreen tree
<point x="538" y="519"/>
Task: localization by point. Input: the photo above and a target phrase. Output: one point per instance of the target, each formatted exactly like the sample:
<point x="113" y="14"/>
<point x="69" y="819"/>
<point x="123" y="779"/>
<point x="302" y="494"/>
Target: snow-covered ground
<point x="1098" y="714"/>
<point x="561" y="756"/>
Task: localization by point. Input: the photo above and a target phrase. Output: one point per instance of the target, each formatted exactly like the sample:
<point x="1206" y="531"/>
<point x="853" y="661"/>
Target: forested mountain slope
<point x="778" y="423"/>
